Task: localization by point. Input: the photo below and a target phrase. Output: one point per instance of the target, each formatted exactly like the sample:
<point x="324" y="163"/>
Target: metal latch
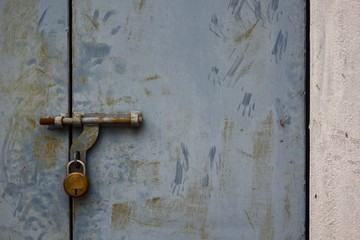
<point x="90" y="124"/>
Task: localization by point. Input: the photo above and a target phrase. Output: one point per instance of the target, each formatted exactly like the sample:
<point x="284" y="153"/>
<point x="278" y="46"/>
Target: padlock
<point x="76" y="183"/>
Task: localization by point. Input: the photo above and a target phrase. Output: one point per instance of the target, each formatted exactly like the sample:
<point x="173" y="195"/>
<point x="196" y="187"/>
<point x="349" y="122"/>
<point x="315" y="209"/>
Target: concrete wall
<point x="334" y="123"/>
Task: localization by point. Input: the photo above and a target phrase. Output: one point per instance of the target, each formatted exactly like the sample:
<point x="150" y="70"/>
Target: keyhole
<point x="76" y="192"/>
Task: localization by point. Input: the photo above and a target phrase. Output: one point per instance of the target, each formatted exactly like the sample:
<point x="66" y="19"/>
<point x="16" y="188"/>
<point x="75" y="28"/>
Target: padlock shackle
<point x="73" y="162"/>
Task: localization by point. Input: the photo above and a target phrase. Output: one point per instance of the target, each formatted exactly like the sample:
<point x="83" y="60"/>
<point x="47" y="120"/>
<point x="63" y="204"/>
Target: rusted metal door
<point x="221" y="152"/>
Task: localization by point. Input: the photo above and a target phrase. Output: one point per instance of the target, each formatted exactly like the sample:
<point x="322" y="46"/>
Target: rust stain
<point x="228" y="130"/>
<point x="44" y="74"/>
<point x="262" y="140"/>
<point x="141" y="4"/>
<point x="16" y="19"/>
<point x="227" y="135"/>
<point x="121" y="214"/>
<point x="32" y="122"/>
<point x="46" y="149"/>
<point x="165" y="213"/>
<point x="153" y="77"/>
<point x="43" y="53"/>
<point x="267" y="231"/>
<point x="245" y="70"/>
<point x="93" y="23"/>
<point x="147" y="92"/>
<point x="287" y="205"/>
<point x="247" y="34"/>
<point x="262" y="177"/>
<point x="282" y="122"/>
<point x="153" y="203"/>
<point x="246" y="154"/>
<point x="140" y="171"/>
<point x="126" y="99"/>
<point x="84" y="79"/>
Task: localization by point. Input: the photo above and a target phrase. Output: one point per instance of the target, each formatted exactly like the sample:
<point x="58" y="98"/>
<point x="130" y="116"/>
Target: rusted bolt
<point x="47" y="121"/>
<point x="129" y="119"/>
<point x="282" y="122"/>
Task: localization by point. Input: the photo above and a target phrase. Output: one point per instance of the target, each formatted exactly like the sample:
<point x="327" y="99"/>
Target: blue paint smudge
<point x="108" y="15"/>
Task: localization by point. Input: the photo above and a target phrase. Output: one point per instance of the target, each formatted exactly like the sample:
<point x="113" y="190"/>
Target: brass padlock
<point x="76" y="183"/>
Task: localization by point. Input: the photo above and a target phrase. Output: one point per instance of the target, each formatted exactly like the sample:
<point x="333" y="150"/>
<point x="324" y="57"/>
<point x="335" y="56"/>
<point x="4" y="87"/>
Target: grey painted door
<point x="33" y="83"/>
<point x="221" y="152"/>
<point x="221" y="88"/>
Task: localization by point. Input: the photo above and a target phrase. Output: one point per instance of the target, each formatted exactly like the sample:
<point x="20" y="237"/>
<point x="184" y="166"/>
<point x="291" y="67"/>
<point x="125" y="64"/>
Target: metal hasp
<point x="90" y="124"/>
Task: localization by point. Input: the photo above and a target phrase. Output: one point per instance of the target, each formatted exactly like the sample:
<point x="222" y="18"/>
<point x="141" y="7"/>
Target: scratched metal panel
<point x="33" y="83"/>
<point x="221" y="87"/>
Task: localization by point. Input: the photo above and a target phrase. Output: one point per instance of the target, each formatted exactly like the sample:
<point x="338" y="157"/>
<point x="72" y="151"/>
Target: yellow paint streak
<point x="247" y="34"/>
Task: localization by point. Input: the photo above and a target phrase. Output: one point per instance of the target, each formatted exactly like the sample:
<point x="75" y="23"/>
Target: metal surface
<point x="221" y="84"/>
<point x="33" y="82"/>
<point x="85" y="141"/>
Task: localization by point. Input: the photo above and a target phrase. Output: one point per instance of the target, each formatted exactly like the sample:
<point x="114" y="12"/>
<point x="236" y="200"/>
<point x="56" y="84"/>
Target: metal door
<point x="33" y="82"/>
<point x="221" y="152"/>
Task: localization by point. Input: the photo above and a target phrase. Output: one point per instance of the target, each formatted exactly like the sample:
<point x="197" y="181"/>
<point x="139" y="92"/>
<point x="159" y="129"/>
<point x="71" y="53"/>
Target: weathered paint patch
<point x="189" y="214"/>
<point x="16" y="19"/>
<point x="46" y="149"/>
<point x="121" y="215"/>
<point x="261" y="208"/>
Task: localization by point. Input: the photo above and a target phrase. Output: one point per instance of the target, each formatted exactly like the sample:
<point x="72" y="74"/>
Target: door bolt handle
<point x="126" y="119"/>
